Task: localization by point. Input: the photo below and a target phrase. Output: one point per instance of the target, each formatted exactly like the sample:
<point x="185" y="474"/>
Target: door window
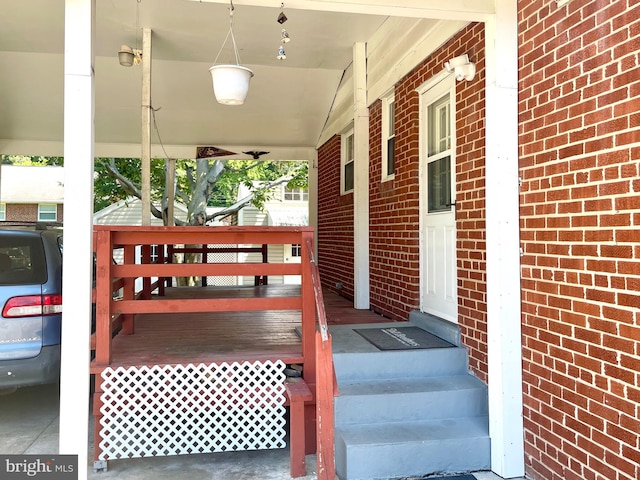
<point x="439" y="155"/>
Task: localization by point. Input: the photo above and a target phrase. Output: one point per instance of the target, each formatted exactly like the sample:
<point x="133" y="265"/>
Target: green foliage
<point x="108" y="190"/>
<point x="224" y="193"/>
<point x="32" y="160"/>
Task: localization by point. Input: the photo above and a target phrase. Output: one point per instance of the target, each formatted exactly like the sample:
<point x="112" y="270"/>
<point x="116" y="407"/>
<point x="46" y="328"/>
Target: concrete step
<point x="416" y="448"/>
<point x="409" y="399"/>
<point x="400" y="364"/>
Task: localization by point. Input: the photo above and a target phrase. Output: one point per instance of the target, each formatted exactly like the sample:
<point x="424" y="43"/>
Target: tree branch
<point x="240" y="204"/>
<point x="131" y="188"/>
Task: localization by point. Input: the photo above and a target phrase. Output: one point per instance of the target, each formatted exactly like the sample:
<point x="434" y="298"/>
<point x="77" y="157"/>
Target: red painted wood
<point x="128" y="321"/>
<point x="297" y="392"/>
<point x="103" y="297"/>
<point x="206" y="269"/>
<point x="206" y="305"/>
<point x="324" y="408"/>
<point x="225" y="324"/>
<point x="136" y="235"/>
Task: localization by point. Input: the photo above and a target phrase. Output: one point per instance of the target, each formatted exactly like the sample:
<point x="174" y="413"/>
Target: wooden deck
<point x="180" y="338"/>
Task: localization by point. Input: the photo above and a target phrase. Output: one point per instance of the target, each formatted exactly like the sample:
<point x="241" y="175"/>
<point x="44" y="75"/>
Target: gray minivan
<point x="31" y="302"/>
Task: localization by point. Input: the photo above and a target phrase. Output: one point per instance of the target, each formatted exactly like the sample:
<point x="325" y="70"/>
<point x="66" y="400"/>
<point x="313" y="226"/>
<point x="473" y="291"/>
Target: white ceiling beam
<point x="468" y="10"/>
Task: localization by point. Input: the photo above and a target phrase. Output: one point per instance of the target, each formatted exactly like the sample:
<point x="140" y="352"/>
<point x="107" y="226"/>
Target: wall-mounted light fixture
<point x="462" y="68"/>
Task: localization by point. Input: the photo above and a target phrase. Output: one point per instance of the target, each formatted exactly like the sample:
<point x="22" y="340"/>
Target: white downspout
<point x="503" y="243"/>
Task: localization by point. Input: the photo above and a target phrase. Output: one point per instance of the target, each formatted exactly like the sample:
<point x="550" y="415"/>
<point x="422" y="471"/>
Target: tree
<point x="199" y="183"/>
<point x="35" y="160"/>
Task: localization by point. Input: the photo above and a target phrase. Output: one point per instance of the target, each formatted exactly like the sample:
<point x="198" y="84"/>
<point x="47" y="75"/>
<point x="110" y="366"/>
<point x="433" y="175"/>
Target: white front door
<point x="438" y="282"/>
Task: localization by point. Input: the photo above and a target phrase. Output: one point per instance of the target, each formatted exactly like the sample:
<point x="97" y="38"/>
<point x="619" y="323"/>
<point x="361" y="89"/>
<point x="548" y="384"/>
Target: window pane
<point x="439" y="185"/>
<point x="295" y="194"/>
<point x="392" y="119"/>
<point x="391" y="156"/>
<point x="3" y="211"/>
<point x="349" y="146"/>
<point x="23" y="260"/>
<point x="348" y="177"/>
<point x="439" y="120"/>
<point x="47" y="212"/>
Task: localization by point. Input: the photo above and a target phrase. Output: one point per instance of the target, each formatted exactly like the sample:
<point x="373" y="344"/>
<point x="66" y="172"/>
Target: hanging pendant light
<point x="230" y="81"/>
<point x="281" y="55"/>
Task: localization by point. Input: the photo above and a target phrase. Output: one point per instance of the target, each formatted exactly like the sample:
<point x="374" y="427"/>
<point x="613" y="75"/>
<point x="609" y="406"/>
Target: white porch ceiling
<point x="288" y="101"/>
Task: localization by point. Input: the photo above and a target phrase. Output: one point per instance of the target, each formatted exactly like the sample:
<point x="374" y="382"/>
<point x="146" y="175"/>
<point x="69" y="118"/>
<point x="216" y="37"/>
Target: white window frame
<point x="345" y="161"/>
<point x="295" y="194"/>
<point x="3" y="212"/>
<point x="42" y="211"/>
<point x="388" y="133"/>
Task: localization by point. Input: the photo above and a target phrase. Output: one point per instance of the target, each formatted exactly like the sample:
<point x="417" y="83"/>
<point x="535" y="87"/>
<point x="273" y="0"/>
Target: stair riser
<point x="410" y="406"/>
<point x="412" y="459"/>
<point x="397" y="364"/>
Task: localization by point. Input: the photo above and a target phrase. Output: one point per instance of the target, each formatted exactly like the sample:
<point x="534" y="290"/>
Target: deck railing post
<point x="129" y="290"/>
<point x="146" y="281"/>
<point x="169" y="280"/>
<point x="162" y="259"/>
<point x="104" y="288"/>
<point x="265" y="259"/>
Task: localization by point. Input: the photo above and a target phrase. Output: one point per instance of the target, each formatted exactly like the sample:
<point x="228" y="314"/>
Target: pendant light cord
<point x="233" y="38"/>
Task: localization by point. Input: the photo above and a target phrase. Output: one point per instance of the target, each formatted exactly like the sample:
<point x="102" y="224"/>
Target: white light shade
<point x="125" y="56"/>
<point x="230" y="83"/>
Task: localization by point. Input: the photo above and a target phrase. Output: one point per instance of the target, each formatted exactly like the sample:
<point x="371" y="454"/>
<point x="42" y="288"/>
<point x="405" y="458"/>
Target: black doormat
<point x="401" y="338"/>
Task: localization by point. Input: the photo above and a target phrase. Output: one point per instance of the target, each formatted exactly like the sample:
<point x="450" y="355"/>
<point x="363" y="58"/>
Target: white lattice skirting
<point x="178" y="410"/>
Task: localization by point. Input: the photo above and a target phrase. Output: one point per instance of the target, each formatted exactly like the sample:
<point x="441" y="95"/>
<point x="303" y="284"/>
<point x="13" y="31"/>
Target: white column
<point x="503" y="243"/>
<point x="361" y="178"/>
<point x="78" y="213"/>
<point x="313" y="196"/>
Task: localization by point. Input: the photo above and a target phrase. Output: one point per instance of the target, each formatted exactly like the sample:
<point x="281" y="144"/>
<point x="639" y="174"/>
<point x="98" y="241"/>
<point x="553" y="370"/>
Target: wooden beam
<point x="171" y="191"/>
<point x="477" y="10"/>
<point x="146" y="126"/>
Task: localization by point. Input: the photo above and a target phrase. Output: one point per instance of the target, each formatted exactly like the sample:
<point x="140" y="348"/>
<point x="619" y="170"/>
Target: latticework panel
<point x="178" y="410"/>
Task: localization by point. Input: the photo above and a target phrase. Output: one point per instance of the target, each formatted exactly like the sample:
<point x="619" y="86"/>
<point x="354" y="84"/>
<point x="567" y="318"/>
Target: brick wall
<point x="580" y="201"/>
<point x="21" y="212"/>
<point x="394" y="204"/>
<point x="335" y="222"/>
<point x="27" y="212"/>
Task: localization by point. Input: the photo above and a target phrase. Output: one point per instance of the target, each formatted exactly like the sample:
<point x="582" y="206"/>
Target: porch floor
<point x="226" y="336"/>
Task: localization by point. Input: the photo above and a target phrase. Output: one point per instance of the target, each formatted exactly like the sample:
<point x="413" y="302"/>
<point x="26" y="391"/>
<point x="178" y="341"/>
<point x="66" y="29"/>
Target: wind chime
<point x="284" y="35"/>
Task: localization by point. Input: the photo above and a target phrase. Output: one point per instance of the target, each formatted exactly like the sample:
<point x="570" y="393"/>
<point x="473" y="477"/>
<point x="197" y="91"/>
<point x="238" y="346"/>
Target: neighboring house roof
<point x="129" y="212"/>
<point x="288" y="216"/>
<point x="31" y="184"/>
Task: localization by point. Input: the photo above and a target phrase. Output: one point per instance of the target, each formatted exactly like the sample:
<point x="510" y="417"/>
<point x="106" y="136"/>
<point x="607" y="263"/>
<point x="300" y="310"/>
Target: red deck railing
<point x="119" y="312"/>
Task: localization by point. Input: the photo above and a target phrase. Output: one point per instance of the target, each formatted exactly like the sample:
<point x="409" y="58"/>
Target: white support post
<point x="313" y="197"/>
<point x="503" y="243"/>
<point x="78" y="217"/>
<point x="146" y="126"/>
<point x="361" y="178"/>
